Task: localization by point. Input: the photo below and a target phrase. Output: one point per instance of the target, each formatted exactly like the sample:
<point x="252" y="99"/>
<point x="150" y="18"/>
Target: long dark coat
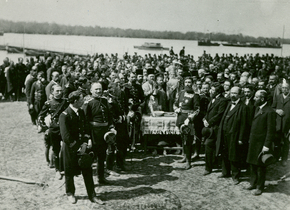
<point x="262" y="133"/>
<point x="215" y="112"/>
<point x="282" y="123"/>
<point x="72" y="128"/>
<point x="237" y="128"/>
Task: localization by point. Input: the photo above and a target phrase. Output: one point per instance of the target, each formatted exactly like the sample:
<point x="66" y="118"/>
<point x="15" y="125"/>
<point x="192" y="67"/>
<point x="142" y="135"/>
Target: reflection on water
<point x="90" y="45"/>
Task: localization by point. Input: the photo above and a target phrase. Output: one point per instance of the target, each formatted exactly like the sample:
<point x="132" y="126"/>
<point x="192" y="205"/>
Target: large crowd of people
<point x="238" y="107"/>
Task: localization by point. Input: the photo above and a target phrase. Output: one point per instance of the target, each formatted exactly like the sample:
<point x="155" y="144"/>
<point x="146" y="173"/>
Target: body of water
<point x="90" y="45"/>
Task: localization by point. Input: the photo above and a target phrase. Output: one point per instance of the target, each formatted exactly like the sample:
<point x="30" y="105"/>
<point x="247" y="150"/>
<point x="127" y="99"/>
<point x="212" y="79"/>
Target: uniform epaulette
<point x="65" y="113"/>
<point x="88" y="100"/>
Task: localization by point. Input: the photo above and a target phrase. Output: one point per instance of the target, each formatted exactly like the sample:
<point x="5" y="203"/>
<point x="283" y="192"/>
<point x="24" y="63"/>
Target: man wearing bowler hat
<point x="261" y="138"/>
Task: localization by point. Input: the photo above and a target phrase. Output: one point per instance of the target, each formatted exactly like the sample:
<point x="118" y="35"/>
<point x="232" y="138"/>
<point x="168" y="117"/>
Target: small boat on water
<point x="151" y="46"/>
<point x="254" y="45"/>
<point x="34" y="52"/>
<point x="206" y="42"/>
<point x="14" y="49"/>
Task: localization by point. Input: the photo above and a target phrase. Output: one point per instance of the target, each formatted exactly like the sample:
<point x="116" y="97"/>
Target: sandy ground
<point x="153" y="182"/>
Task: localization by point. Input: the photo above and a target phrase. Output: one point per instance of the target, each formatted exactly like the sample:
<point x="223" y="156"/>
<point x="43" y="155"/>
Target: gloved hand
<point x="186" y="121"/>
<point x="90" y="144"/>
<point x="82" y="149"/>
<point x="265" y="149"/>
<point x="113" y="130"/>
<point x="177" y="111"/>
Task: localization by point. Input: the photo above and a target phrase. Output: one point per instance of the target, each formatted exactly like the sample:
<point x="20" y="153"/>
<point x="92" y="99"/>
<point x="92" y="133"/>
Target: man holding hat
<point x="212" y="119"/>
<point x="100" y="119"/>
<point x="187" y="108"/>
<point x="73" y="132"/>
<point x="261" y="137"/>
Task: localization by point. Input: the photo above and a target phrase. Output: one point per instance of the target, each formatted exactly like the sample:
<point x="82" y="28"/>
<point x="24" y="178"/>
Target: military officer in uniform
<point x="187" y="108"/>
<point x="115" y="100"/>
<point x="135" y="95"/>
<point x="73" y="131"/>
<point x="54" y="107"/>
<point x="100" y="119"/>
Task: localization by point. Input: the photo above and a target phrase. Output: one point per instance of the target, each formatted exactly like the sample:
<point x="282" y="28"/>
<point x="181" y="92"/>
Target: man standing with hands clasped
<point x="73" y="129"/>
<point x="261" y="137"/>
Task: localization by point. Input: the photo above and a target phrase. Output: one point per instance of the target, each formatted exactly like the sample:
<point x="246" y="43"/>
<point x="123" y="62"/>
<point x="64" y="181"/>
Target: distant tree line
<point x="59" y="29"/>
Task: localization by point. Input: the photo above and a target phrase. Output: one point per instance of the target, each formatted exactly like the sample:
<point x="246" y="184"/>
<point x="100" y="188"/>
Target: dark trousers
<point x="281" y="146"/>
<point x="55" y="139"/>
<point x="37" y="106"/>
<point x="32" y="114"/>
<point x="100" y="154"/>
<point x="89" y="183"/>
<point x="187" y="146"/>
<point x="122" y="143"/>
<point x="99" y="148"/>
<point x="210" y="156"/>
<point x="115" y="153"/>
<point x="258" y="176"/>
<point x="229" y="167"/>
<point x="110" y="160"/>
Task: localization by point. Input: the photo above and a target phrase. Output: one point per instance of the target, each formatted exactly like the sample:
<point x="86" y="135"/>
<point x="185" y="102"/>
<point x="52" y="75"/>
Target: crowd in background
<point x="140" y="85"/>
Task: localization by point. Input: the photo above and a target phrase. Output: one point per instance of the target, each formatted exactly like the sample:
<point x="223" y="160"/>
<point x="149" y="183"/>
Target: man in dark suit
<point x="212" y="119"/>
<point x="231" y="136"/>
<point x="281" y="105"/>
<point x="73" y="131"/>
<point x="249" y="101"/>
<point x="261" y="137"/>
<point x="204" y="101"/>
<point x="28" y="86"/>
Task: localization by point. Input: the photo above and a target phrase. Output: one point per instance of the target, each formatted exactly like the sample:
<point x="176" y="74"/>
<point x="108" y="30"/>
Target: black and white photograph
<point x="144" y="104"/>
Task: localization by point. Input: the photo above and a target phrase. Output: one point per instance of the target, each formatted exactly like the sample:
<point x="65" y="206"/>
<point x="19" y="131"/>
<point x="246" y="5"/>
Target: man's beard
<point x="234" y="98"/>
<point x="258" y="103"/>
<point x="188" y="89"/>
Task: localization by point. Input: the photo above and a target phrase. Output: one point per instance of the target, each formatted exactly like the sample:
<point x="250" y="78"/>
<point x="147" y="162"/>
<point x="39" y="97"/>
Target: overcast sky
<point x="249" y="17"/>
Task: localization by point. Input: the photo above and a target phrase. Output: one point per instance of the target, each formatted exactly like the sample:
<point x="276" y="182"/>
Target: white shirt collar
<point x="74" y="109"/>
<point x="263" y="105"/>
<point x="285" y="96"/>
